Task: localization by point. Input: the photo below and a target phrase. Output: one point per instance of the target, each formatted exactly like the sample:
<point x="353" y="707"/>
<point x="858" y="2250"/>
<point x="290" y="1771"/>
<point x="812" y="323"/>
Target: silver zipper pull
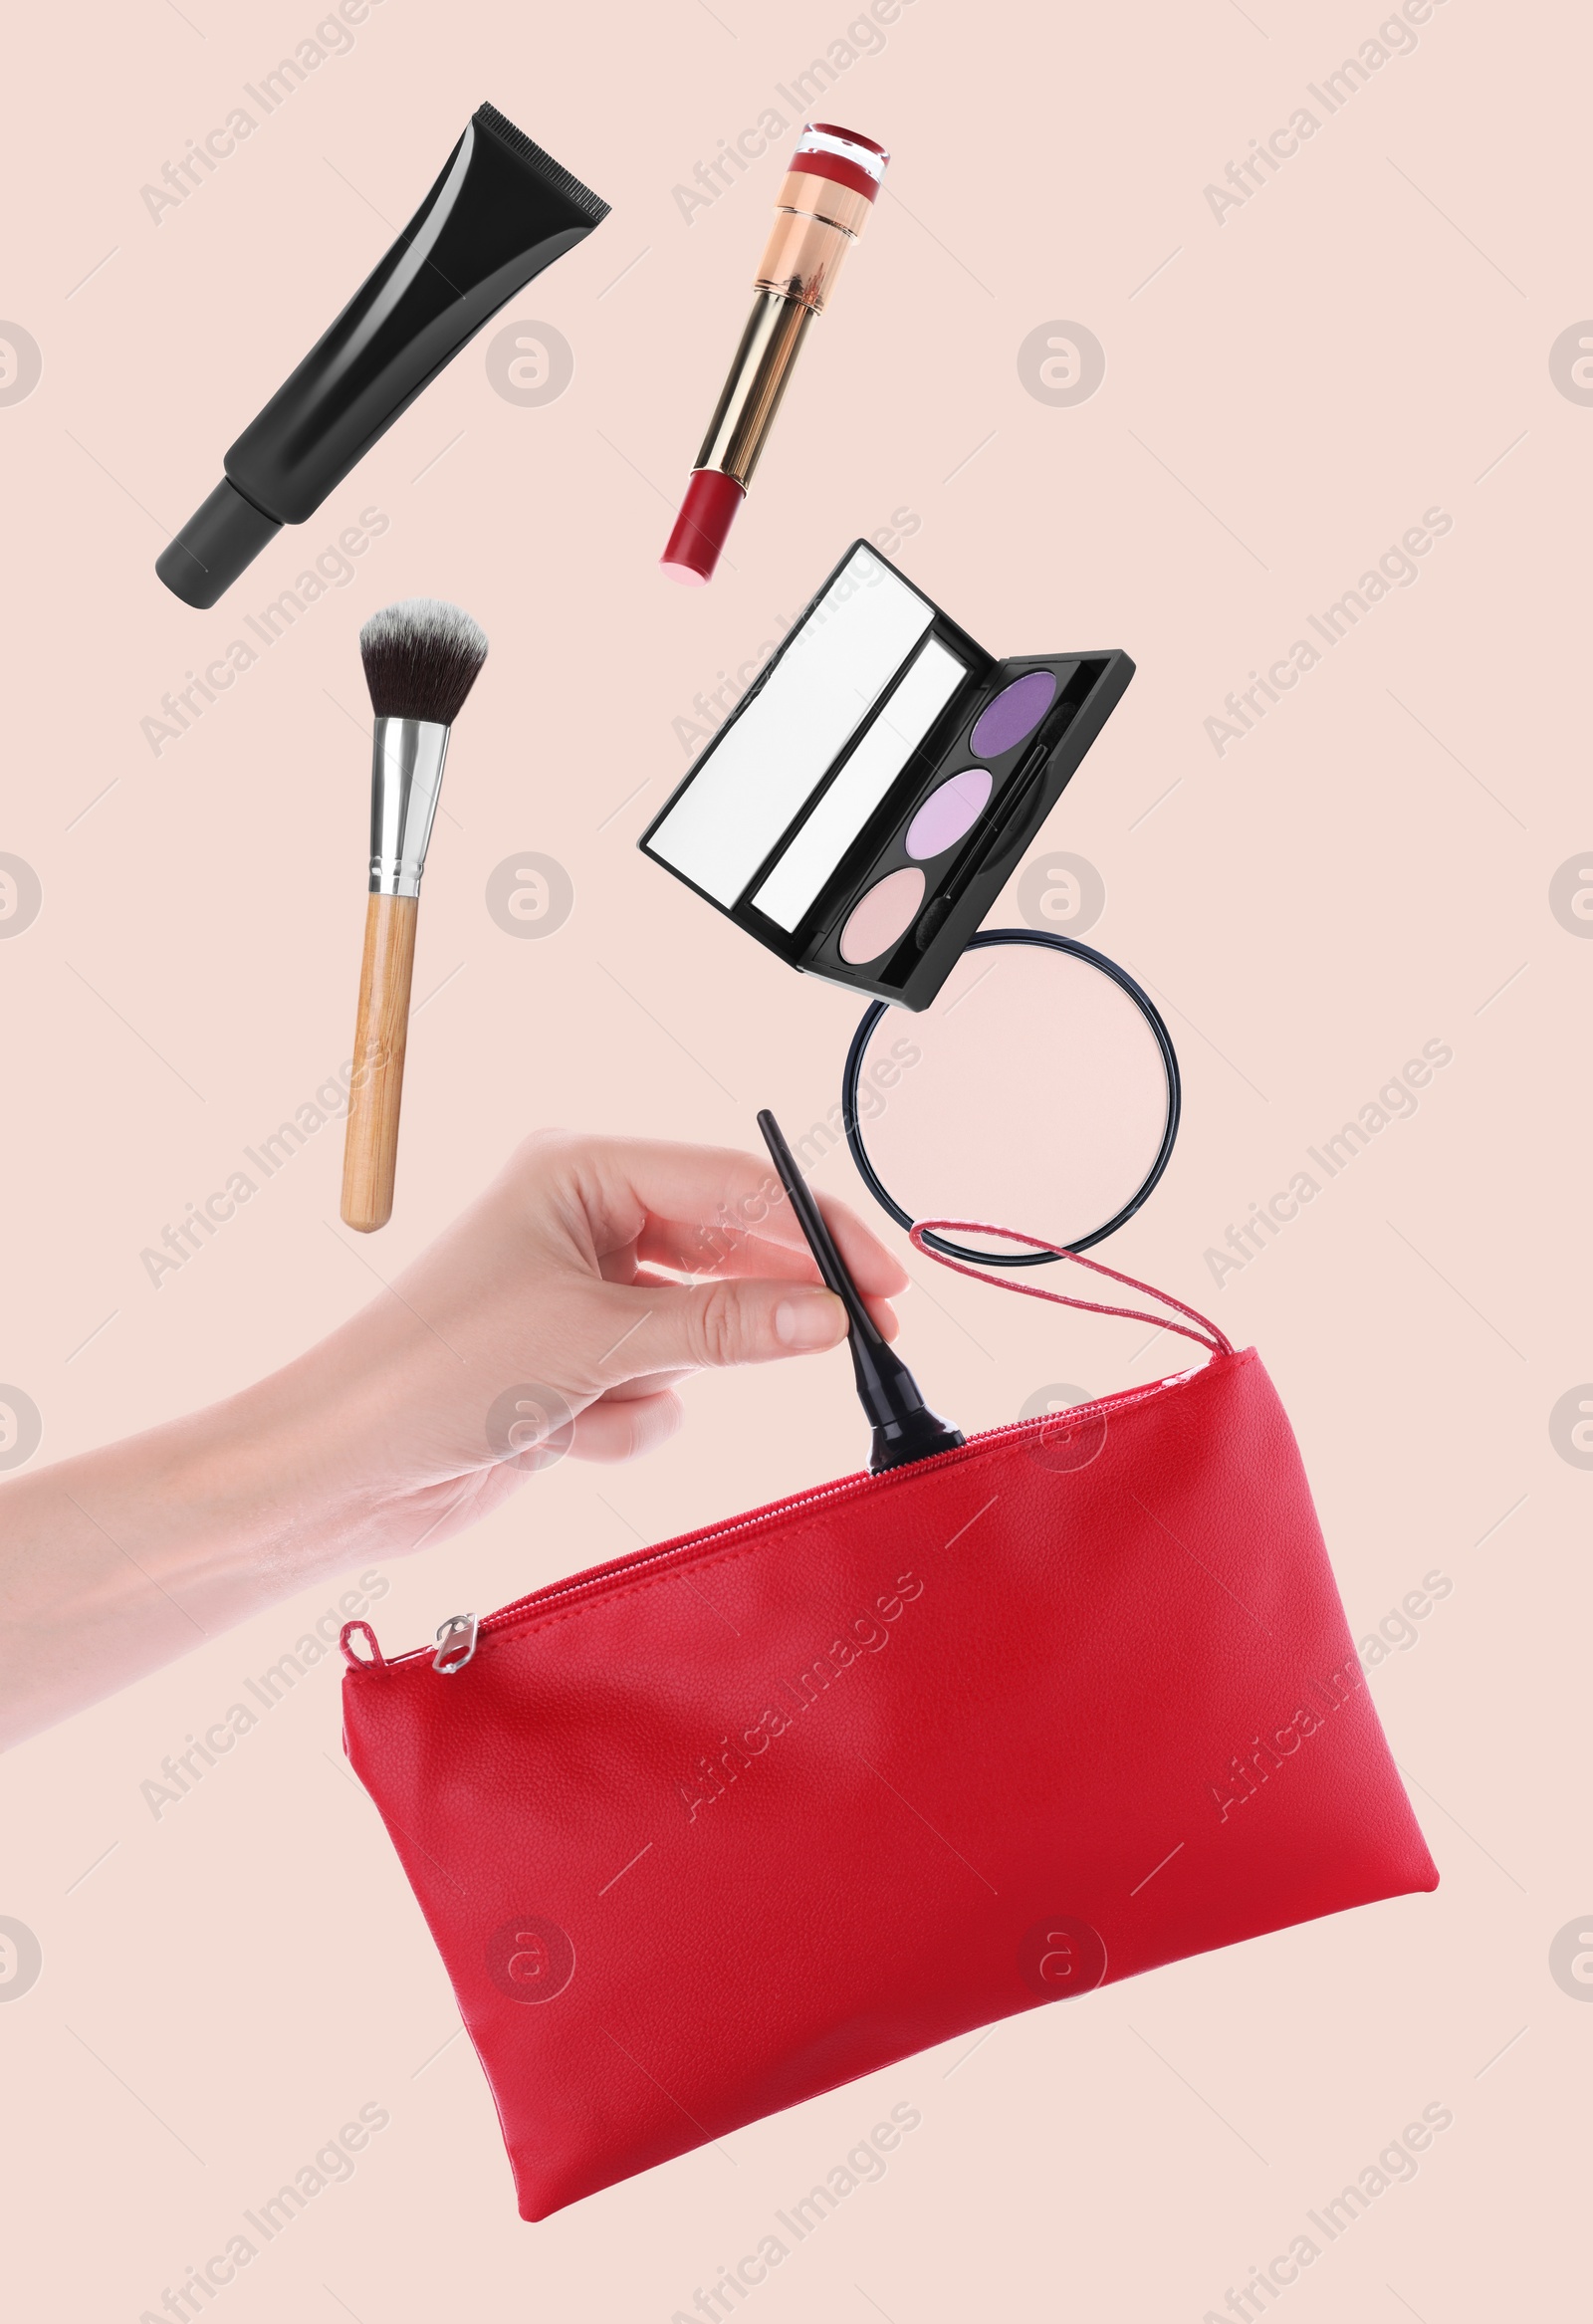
<point x="456" y="1643"/>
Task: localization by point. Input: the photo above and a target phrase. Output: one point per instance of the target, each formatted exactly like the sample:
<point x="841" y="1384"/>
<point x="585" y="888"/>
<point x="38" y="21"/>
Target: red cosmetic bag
<point x="715" y="1827"/>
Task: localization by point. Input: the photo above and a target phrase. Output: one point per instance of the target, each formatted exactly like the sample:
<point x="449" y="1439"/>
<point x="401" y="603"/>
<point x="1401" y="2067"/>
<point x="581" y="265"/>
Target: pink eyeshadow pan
<point x="879" y="917"/>
<point x="948" y="813"/>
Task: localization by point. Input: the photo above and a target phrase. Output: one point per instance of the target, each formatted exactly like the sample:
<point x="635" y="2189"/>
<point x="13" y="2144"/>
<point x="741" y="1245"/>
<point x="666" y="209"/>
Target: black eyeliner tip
<point x="904" y="1428"/>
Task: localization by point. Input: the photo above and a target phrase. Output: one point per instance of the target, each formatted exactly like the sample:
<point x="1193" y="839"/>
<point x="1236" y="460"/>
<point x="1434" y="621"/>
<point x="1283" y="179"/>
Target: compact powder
<point x="948" y="813"/>
<point x="881" y="916"/>
<point x="1039" y="1098"/>
<point x="1015" y="712"/>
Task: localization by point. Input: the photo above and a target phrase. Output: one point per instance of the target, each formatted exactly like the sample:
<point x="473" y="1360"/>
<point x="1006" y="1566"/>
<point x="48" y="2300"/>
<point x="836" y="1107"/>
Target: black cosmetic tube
<point x="500" y="213"/>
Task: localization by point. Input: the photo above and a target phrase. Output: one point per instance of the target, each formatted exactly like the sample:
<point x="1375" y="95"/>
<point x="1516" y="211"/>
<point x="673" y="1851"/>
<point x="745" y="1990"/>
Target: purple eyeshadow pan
<point x="1013" y="715"/>
<point x="948" y="813"/>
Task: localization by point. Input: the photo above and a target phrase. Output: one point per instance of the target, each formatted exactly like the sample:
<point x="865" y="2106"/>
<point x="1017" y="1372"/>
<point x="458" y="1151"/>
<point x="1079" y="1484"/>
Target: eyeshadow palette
<point x="861" y="807"/>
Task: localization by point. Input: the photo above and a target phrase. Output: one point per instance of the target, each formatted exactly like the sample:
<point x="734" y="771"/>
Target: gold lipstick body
<point x="815" y="223"/>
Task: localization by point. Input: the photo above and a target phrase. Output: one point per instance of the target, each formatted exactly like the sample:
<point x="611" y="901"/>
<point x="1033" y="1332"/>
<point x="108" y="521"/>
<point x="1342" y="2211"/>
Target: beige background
<point x="1285" y="393"/>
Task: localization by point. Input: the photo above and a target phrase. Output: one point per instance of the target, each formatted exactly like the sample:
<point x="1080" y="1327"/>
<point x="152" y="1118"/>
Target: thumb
<point x="740" y="1320"/>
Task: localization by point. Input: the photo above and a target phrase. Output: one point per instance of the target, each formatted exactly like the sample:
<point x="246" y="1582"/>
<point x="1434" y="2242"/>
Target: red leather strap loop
<point x="1207" y="1336"/>
<point x="375" y="1659"/>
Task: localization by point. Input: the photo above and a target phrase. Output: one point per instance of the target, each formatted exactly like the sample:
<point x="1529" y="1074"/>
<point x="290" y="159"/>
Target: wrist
<point x="115" y="1561"/>
<point x="273" y="1484"/>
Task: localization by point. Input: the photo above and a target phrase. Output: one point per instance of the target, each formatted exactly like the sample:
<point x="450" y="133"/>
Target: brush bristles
<point x="421" y="657"/>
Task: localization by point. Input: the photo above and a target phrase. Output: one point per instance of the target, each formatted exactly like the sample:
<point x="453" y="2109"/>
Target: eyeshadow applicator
<point x="904" y="1428"/>
<point x="823" y="206"/>
<point x="421" y="659"/>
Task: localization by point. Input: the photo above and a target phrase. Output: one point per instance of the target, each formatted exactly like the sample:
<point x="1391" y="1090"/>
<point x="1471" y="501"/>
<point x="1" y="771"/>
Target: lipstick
<point x="904" y="1427"/>
<point x="822" y="209"/>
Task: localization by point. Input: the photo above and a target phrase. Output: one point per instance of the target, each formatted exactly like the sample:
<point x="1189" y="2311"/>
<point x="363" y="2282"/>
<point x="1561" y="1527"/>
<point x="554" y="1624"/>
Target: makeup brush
<point x="904" y="1427"/>
<point x="421" y="659"/>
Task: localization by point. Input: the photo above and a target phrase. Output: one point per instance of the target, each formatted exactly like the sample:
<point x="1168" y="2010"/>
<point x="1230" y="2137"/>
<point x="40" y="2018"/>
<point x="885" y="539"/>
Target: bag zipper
<point x="458" y="1637"/>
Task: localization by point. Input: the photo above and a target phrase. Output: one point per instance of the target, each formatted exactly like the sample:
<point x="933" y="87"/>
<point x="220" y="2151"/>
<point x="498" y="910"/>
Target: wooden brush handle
<point x="371" y="1142"/>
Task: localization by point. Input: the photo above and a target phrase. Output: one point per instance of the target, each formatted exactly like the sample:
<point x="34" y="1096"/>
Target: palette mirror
<point x="1041" y="1093"/>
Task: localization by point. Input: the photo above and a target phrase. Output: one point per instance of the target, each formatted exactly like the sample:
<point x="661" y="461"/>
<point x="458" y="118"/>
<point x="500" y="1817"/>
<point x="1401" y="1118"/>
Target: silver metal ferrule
<point x="405" y="779"/>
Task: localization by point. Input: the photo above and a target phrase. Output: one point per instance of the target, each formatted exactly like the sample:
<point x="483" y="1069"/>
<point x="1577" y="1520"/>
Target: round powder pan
<point x="1040" y="1091"/>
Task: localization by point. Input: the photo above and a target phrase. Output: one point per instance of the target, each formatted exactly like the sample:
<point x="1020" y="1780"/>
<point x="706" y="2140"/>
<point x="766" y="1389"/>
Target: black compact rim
<point x="941" y="1243"/>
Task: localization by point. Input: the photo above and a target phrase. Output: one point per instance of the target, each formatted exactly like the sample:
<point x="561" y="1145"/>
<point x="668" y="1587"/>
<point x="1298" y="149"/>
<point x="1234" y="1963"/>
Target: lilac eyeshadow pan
<point x="948" y="813"/>
<point x="1013" y="715"/>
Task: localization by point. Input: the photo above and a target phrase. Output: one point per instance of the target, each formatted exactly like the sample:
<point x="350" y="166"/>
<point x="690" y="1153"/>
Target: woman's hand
<point x="552" y="1318"/>
<point x="560" y="1313"/>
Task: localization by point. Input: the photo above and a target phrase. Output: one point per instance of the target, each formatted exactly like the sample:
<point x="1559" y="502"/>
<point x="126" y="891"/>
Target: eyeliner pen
<point x="904" y="1427"/>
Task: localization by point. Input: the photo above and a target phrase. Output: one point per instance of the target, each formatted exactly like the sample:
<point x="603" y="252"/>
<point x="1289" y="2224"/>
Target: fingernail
<point x="809" y="1319"/>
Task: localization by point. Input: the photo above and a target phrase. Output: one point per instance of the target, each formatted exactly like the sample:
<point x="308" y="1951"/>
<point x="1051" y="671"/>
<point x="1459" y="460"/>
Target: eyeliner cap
<point x="225" y="534"/>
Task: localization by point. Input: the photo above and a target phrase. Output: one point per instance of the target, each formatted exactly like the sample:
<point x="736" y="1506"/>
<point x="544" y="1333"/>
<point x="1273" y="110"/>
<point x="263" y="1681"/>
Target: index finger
<point x="702" y="1209"/>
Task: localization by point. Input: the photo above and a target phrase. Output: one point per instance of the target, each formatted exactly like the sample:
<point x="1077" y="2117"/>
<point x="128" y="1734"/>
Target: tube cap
<point x="225" y="534"/>
<point x="702" y="527"/>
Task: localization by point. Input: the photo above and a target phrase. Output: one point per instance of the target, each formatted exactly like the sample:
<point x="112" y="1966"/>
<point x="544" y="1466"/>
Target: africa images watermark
<point x="864" y="37"/>
<point x="1396" y="566"/>
<point x="865" y="2163"/>
<point x="331" y="571"/>
<point x="868" y="1632"/>
<point x="734" y="1222"/>
<point x="1266" y="1753"/>
<point x="1270" y="1750"/>
<point x="1247" y="1770"/>
<point x="713" y="706"/>
<point x="1245" y="179"/>
<point x="1396" y="2164"/>
<point x="181" y="1772"/>
<point x="1395" y="1102"/>
<point x="181" y="179"/>
<point x="331" y="2164"/>
<point x="199" y="1222"/>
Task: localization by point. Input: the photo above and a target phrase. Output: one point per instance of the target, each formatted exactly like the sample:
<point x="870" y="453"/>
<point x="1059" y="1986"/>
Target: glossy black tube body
<point x="500" y="213"/>
<point x="904" y="1428"/>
